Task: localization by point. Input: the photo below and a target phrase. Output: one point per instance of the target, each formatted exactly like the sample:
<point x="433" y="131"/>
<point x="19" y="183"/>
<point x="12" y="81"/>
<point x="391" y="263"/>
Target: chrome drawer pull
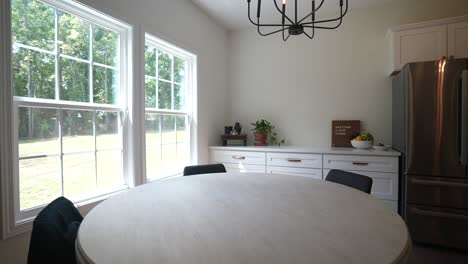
<point x="294" y="160"/>
<point x="360" y="163"/>
<point x="238" y="157"/>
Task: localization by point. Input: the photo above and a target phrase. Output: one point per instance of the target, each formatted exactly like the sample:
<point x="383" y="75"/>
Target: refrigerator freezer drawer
<point x="443" y="227"/>
<point x="437" y="191"/>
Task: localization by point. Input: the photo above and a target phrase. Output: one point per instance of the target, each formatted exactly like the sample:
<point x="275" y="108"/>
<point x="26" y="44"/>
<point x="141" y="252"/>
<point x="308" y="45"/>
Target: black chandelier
<point x="297" y="27"/>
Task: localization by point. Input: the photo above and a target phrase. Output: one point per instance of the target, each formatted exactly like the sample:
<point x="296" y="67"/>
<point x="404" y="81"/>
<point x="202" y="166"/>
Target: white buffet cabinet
<point x="381" y="166"/>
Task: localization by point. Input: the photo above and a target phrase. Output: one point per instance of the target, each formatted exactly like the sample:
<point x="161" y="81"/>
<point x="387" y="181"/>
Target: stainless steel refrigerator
<point x="430" y="128"/>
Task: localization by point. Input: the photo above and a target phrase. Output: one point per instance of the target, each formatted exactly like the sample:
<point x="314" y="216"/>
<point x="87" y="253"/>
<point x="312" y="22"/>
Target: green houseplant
<point x="264" y="129"/>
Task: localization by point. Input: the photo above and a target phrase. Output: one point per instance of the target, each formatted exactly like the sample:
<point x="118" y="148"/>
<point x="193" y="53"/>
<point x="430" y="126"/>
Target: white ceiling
<point x="233" y="13"/>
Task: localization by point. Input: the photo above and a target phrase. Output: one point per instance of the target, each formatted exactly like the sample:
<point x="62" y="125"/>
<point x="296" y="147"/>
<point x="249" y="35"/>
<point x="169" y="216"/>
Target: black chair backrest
<point x="353" y="180"/>
<point x="203" y="169"/>
<point x="54" y="233"/>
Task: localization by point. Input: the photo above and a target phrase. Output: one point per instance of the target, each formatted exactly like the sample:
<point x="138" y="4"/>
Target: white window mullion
<point x="166" y="112"/>
<point x="157" y="77"/>
<point x="24" y="46"/>
<point x="166" y="81"/>
<point x="105" y="66"/>
<point x="90" y="81"/>
<point x="57" y="57"/>
<point x="161" y="140"/>
<point x="74" y="58"/>
<point x="69" y="105"/>
<point x="188" y="140"/>
<point x="95" y="150"/>
<point x="61" y="150"/>
<point x="175" y="131"/>
<point x="172" y="83"/>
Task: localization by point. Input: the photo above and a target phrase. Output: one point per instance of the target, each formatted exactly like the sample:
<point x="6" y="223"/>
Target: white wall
<point x="182" y="23"/>
<point x="302" y="85"/>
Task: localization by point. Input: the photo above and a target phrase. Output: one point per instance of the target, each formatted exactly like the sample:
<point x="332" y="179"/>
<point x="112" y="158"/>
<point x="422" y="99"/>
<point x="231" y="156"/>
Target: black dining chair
<point x="54" y="233"/>
<point x="204" y="169"/>
<point x="353" y="180"/>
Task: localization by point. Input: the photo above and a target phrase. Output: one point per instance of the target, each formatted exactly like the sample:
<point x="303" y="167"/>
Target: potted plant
<point x="263" y="129"/>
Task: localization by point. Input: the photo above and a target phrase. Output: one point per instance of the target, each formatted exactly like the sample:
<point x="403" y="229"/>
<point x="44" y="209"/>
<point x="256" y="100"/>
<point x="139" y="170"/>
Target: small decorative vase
<point x="238" y="128"/>
<point x="261" y="139"/>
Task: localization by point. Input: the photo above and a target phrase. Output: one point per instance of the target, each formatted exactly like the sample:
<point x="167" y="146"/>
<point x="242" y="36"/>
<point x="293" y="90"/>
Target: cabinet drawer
<point x="311" y="173"/>
<point x="233" y="167"/>
<point x="361" y="163"/>
<point x="238" y="157"/>
<point x="295" y="160"/>
<point x="437" y="191"/>
<point x="384" y="185"/>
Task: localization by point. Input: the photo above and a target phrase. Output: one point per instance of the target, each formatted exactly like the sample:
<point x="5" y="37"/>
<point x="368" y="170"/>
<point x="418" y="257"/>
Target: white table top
<point x="242" y="218"/>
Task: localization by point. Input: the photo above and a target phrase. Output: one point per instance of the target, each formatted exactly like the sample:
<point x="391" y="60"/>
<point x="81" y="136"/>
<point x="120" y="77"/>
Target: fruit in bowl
<point x="363" y="141"/>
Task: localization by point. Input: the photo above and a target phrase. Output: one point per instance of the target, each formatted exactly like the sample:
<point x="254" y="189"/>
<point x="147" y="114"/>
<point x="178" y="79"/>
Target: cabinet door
<point x="236" y="167"/>
<point x="310" y="173"/>
<point x="422" y="44"/>
<point x="360" y="163"/>
<point x="458" y="40"/>
<point x="239" y="157"/>
<point x="384" y="185"/>
<point x="298" y="160"/>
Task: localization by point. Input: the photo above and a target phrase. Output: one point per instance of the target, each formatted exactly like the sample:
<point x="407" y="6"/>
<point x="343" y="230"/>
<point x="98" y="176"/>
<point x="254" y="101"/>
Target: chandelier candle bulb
<point x="313" y="10"/>
<point x="258" y="8"/>
<point x="284" y="12"/>
<point x="295" y="13"/>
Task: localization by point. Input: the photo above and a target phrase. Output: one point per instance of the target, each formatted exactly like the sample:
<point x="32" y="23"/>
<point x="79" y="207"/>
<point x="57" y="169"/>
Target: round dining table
<point x="248" y="218"/>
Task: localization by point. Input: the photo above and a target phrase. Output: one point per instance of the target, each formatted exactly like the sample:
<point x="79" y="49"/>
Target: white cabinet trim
<point x="431" y="23"/>
<point x="439" y="31"/>
<point x="443" y="31"/>
<point x="452" y="40"/>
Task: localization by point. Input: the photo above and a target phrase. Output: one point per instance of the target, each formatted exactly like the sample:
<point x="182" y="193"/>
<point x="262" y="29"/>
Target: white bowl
<point x="383" y="148"/>
<point x="362" y="144"/>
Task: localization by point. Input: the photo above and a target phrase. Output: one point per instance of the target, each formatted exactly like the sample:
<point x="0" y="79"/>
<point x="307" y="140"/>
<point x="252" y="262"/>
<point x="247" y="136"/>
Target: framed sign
<point x="343" y="131"/>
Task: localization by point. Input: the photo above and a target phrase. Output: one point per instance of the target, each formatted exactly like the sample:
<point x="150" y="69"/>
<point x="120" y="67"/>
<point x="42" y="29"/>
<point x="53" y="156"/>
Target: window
<point x="169" y="92"/>
<point x="70" y="102"/>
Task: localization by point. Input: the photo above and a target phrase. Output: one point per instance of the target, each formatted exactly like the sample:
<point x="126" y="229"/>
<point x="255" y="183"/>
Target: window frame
<point x="190" y="109"/>
<point x="13" y="220"/>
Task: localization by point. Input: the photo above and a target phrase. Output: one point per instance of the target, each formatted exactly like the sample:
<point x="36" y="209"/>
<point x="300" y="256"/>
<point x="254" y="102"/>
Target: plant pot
<point x="261" y="139"/>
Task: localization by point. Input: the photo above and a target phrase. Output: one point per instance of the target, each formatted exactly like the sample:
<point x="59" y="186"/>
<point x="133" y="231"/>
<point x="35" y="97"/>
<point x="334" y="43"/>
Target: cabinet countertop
<point x="312" y="149"/>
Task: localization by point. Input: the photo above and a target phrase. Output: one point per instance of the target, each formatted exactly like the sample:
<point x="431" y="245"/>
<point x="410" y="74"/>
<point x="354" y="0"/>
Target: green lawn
<point x="41" y="182"/>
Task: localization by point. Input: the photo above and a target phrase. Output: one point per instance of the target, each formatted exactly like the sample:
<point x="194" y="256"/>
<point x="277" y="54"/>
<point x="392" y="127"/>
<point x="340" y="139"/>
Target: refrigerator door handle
<point x="464" y="119"/>
<point x="439" y="183"/>
<point x="439" y="214"/>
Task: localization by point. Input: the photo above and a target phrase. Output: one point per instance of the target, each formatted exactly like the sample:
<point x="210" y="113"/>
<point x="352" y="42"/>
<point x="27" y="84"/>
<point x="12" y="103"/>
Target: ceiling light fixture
<point x="298" y="27"/>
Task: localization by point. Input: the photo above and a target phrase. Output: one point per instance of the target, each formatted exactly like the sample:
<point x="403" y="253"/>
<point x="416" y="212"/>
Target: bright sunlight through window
<point x="168" y="111"/>
<point x="70" y="100"/>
